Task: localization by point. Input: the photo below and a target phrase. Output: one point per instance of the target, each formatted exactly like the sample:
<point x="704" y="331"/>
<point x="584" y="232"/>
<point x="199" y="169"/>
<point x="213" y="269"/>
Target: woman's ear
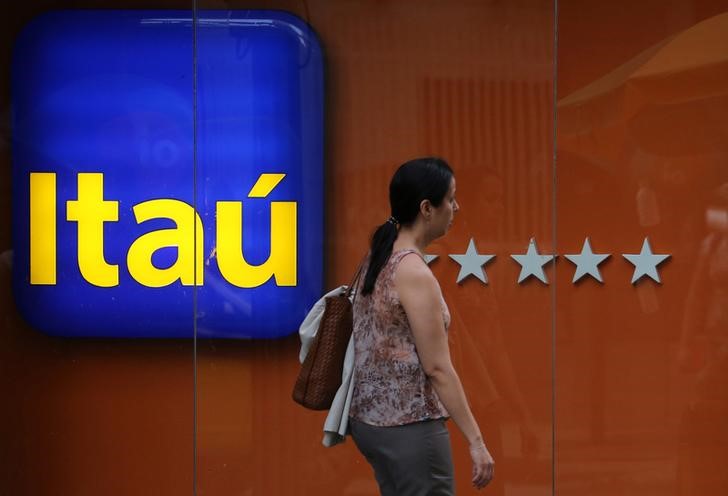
<point x="426" y="209"/>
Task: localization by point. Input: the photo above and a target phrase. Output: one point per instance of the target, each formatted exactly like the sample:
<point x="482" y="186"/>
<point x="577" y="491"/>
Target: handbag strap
<point x="355" y="280"/>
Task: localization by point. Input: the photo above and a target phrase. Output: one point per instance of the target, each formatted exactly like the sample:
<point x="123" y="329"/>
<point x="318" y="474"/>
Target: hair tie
<point x="393" y="221"/>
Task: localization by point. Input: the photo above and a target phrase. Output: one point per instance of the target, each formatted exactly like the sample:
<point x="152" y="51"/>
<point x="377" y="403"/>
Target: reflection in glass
<point x="640" y="369"/>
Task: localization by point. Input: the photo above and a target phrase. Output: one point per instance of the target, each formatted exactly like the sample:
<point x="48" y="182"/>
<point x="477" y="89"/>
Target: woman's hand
<point x="483" y="465"/>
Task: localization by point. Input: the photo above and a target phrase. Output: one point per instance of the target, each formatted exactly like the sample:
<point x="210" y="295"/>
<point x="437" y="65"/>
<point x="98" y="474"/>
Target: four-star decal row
<point x="587" y="262"/>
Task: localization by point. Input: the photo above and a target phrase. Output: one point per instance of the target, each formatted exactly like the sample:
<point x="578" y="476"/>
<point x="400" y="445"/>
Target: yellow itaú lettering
<point x="186" y="269"/>
<point x="281" y="262"/>
<point x="42" y="228"/>
<point x="90" y="210"/>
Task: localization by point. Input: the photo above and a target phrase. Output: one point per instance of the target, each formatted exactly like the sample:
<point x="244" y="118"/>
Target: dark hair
<point x="420" y="179"/>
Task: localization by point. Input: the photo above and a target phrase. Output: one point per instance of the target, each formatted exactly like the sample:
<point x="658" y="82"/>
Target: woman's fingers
<point x="483" y="466"/>
<point x="483" y="474"/>
<point x="490" y="472"/>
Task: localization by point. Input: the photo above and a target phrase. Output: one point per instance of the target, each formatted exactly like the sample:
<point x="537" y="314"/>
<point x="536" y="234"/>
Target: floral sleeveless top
<point x="390" y="385"/>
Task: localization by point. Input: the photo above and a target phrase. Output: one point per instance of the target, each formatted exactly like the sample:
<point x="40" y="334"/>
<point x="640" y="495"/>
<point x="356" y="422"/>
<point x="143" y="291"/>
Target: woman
<point x="404" y="383"/>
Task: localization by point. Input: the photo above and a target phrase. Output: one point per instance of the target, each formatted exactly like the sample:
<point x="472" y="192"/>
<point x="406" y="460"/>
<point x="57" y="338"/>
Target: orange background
<point x="554" y="133"/>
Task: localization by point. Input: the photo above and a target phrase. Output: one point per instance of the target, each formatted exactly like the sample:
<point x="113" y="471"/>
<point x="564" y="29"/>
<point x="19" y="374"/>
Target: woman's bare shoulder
<point x="412" y="270"/>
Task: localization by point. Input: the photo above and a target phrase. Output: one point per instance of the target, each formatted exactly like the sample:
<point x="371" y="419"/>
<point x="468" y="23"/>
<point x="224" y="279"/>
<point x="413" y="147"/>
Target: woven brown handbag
<point x="320" y="375"/>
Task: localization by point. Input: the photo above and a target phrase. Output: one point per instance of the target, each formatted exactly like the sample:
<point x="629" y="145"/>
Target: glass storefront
<point x="184" y="179"/>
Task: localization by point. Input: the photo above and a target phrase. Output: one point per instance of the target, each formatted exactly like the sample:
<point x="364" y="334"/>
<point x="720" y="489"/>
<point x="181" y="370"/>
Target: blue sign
<point x="167" y="172"/>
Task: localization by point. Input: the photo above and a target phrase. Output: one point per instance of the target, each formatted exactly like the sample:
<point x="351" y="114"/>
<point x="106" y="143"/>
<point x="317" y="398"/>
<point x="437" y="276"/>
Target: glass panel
<point x="96" y="350"/>
<point x="469" y="81"/>
<point x="642" y="362"/>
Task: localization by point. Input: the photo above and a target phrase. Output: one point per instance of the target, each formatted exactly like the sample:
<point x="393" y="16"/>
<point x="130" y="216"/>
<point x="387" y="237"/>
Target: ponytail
<point x="381" y="248"/>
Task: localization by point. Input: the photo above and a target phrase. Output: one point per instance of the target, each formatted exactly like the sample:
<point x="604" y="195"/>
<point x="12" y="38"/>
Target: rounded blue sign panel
<point x="143" y="180"/>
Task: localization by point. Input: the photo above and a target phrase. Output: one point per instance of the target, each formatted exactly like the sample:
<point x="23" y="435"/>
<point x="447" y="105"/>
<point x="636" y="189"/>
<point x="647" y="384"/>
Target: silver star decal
<point x="430" y="258"/>
<point x="645" y="263"/>
<point x="471" y="263"/>
<point x="587" y="262"/>
<point x="532" y="263"/>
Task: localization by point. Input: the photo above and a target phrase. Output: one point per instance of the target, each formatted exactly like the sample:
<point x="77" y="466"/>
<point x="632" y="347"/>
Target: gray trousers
<point x="408" y="460"/>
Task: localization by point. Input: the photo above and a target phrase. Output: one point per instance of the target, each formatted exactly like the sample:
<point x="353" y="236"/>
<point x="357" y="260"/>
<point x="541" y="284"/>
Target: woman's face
<point x="443" y="215"/>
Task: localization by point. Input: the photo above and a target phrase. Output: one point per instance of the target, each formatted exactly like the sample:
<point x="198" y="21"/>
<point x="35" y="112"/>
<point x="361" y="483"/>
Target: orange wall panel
<point x="629" y="378"/>
<point x="641" y="88"/>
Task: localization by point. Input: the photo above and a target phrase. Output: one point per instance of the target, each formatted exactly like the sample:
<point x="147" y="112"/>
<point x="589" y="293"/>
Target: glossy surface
<point x="641" y="376"/>
<point x="110" y="238"/>
<point x="86" y="416"/>
<point x="259" y="112"/>
<point x="112" y="130"/>
<point x="470" y="81"/>
<point x="610" y="387"/>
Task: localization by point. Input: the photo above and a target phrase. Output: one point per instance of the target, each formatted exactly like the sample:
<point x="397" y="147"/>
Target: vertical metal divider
<point x="194" y="252"/>
<point x="554" y="244"/>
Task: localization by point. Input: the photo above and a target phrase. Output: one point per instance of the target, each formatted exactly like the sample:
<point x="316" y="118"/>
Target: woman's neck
<point x="411" y="238"/>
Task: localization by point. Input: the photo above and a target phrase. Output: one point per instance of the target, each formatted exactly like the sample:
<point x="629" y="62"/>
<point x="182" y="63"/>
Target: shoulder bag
<point x="320" y="374"/>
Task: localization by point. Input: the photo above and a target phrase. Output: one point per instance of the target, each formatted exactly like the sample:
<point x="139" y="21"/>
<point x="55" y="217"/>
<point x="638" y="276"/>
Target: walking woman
<point x="405" y="386"/>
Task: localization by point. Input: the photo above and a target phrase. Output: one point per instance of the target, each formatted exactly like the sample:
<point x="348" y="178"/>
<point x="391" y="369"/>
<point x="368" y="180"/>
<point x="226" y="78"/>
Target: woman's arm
<point x="420" y="296"/>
